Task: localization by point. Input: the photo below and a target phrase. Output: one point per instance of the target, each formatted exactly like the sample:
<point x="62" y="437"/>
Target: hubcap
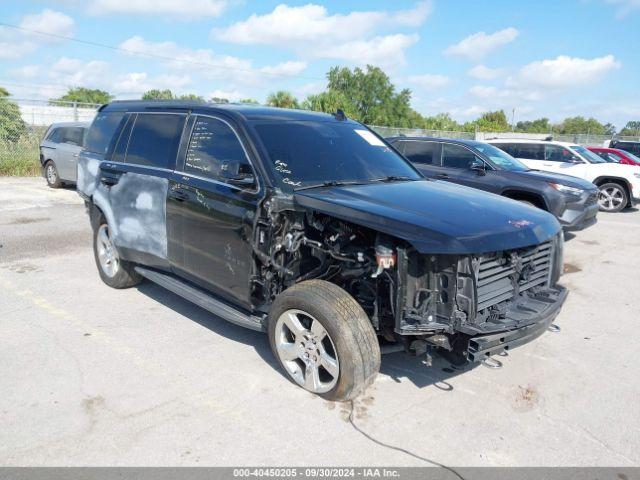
<point x="610" y="198"/>
<point x="51" y="173"/>
<point x="306" y="351"/>
<point x="107" y="254"/>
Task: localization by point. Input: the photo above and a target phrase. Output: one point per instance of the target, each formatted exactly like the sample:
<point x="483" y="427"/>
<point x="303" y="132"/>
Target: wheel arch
<point x="623" y="182"/>
<point x="535" y="198"/>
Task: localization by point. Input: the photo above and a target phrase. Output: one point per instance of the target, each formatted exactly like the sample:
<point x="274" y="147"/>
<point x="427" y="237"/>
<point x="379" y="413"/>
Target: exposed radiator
<point x="498" y="274"/>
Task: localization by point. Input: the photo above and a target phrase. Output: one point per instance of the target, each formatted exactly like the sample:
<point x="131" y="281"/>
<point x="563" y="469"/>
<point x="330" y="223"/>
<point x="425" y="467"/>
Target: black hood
<point x="436" y="217"/>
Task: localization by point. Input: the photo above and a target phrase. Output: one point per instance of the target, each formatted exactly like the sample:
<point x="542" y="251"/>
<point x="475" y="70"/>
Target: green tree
<point x="574" y="125"/>
<point x="631" y="129"/>
<point x="191" y="96"/>
<point x="282" y="99"/>
<point x="11" y="124"/>
<point x="441" y="121"/>
<point x="329" y="102"/>
<point x="250" y="100"/>
<point x="156" y="94"/>
<point x="490" y="122"/>
<point x="219" y="100"/>
<point x="540" y="125"/>
<point x="372" y="96"/>
<point x="85" y="95"/>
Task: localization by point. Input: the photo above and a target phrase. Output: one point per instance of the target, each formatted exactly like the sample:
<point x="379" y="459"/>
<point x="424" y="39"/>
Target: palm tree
<point x="282" y="99"/>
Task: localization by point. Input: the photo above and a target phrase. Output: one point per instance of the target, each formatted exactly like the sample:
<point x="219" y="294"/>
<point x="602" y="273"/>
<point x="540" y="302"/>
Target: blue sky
<point x="543" y="58"/>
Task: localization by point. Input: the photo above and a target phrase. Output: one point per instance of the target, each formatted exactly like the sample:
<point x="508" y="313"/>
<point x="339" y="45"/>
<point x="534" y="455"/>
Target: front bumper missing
<point x="484" y="346"/>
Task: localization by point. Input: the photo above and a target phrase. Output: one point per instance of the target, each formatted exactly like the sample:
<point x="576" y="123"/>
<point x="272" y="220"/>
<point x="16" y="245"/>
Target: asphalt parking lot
<point x="95" y="376"/>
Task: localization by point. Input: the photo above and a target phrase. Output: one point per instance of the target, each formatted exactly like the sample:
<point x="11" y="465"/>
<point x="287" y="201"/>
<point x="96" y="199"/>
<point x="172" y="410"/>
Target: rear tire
<point x="115" y="272"/>
<point x="323" y="340"/>
<point x="612" y="197"/>
<point x="51" y="175"/>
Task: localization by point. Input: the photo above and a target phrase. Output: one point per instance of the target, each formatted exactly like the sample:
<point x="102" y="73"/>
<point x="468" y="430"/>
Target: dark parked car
<point x="626" y="145"/>
<point x="59" y="151"/>
<point x="310" y="227"/>
<point x="572" y="200"/>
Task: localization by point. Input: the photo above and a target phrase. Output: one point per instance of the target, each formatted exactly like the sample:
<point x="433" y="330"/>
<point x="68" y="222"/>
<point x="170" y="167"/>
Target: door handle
<point x="443" y="175"/>
<point x="76" y="155"/>
<point x="109" y="177"/>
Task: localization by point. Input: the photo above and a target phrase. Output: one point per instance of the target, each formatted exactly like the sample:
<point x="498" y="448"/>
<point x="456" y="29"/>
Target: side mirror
<point x="236" y="173"/>
<point x="575" y="159"/>
<point x="479" y="167"/>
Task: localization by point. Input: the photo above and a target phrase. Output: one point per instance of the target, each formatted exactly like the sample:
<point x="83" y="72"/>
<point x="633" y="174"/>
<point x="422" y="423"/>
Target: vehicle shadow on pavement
<point x="397" y="366"/>
<point x="210" y="321"/>
<point x="400" y="366"/>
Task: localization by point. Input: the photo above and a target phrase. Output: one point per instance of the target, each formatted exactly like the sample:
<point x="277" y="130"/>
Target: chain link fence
<point x="23" y="123"/>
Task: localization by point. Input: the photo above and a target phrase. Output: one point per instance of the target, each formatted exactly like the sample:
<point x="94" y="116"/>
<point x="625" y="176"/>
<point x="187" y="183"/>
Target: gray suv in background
<point x="59" y="152"/>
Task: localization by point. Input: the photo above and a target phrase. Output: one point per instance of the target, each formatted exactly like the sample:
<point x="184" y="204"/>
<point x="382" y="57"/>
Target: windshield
<point x="588" y="155"/>
<point x="631" y="156"/>
<point x="501" y="158"/>
<point x="308" y="153"/>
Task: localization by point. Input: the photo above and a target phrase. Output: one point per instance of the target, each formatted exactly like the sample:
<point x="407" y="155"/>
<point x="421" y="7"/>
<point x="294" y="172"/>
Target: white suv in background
<point x="619" y="185"/>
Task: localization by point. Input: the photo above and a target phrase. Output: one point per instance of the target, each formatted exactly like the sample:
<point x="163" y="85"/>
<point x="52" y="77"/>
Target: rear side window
<point x="531" y="151"/>
<point x="155" y="139"/>
<point x="421" y="152"/>
<point x="213" y="145"/>
<point x="556" y="153"/>
<point x="73" y="135"/>
<point x="55" y="135"/>
<point x="101" y="131"/>
<point x="120" y="149"/>
<point x="455" y="156"/>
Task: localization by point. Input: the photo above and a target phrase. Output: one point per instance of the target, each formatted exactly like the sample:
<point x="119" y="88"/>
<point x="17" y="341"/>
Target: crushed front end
<point x="479" y="305"/>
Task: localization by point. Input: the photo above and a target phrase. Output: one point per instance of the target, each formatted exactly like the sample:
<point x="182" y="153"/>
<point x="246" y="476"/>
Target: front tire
<point x="114" y="271"/>
<point x="323" y="340"/>
<point x="51" y="175"/>
<point x="612" y="197"/>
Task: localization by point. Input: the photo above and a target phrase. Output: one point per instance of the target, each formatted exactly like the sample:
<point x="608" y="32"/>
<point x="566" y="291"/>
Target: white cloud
<point x="311" y="31"/>
<point x="27" y="71"/>
<point x="482" y="72"/>
<point x="135" y="83"/>
<point x="624" y="7"/>
<point x="430" y="81"/>
<point x="212" y="66"/>
<point x="386" y="51"/>
<point x="477" y="46"/>
<point x="184" y="9"/>
<point x="49" y="21"/>
<point x="286" y="25"/>
<point x="17" y="44"/>
<point x="564" y="72"/>
<point x="231" y="95"/>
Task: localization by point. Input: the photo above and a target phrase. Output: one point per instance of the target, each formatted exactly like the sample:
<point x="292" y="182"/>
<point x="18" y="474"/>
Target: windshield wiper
<point x="330" y="183"/>
<point x="393" y="178"/>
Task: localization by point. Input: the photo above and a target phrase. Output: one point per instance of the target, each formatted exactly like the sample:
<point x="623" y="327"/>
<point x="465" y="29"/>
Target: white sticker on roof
<point x="370" y="138"/>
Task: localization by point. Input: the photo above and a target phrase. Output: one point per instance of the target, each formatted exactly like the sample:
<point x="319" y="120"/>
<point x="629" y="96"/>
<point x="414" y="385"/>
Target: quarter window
<point x="73" y="135"/>
<point x="213" y="147"/>
<point x="420" y="152"/>
<point x="455" y="156"/>
<point x="155" y="139"/>
<point x="55" y="135"/>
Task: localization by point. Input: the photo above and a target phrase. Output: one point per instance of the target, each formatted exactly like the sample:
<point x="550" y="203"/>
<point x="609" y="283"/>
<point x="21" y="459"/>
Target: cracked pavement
<point x="92" y="376"/>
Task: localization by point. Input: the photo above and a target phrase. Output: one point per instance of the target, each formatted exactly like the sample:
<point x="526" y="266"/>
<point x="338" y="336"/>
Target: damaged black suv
<point x="314" y="229"/>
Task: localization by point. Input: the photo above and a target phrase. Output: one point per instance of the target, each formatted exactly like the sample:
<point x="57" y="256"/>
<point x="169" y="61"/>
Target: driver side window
<point x="213" y="149"/>
<point x="455" y="156"/>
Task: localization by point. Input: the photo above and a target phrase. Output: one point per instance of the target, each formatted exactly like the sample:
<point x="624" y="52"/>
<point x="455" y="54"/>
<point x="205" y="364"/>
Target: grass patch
<point x="19" y="164"/>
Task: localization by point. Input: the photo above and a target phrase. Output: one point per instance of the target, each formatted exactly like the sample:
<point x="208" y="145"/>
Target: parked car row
<point x="312" y="228"/>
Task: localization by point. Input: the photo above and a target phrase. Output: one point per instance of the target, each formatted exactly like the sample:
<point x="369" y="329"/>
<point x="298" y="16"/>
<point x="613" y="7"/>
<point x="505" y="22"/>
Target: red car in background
<point x="615" y="155"/>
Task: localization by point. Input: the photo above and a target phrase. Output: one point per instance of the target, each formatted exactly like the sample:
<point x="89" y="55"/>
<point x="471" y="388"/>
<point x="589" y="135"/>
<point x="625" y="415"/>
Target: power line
<point x="154" y="55"/>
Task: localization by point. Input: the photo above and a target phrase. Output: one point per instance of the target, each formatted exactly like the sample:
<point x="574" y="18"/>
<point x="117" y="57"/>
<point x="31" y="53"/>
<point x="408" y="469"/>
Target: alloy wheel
<point x="306" y="351"/>
<point x="52" y="174"/>
<point x="610" y="198"/>
<point x="107" y="254"/>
